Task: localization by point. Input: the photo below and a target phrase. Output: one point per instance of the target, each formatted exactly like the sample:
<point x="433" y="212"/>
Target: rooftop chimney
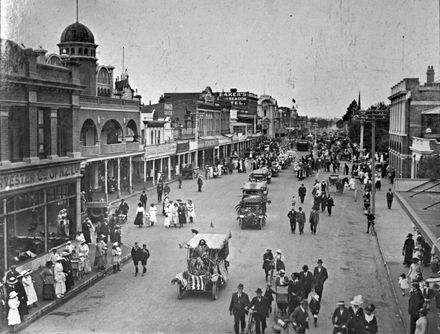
<point x="430" y="75"/>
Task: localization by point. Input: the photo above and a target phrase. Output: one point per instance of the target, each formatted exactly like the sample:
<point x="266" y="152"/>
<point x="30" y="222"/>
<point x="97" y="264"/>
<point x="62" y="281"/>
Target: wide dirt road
<point x="122" y="303"/>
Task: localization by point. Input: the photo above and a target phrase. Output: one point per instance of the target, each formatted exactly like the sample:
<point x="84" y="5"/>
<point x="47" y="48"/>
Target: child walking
<point x="403" y="283"/>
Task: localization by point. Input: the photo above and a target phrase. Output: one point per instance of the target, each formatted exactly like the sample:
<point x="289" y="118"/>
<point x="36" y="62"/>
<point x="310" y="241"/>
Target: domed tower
<point x="78" y="42"/>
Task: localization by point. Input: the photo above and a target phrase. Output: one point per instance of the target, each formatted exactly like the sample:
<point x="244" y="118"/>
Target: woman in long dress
<point x="408" y="249"/>
<point x="60" y="278"/>
<point x="153" y="214"/>
<point x="28" y="284"/>
<point x="174" y="214"/>
<point x="48" y="280"/>
<point x="167" y="219"/>
<point x="13" y="314"/>
<point x="140" y="212"/>
<point x="415" y="271"/>
<point x="83" y="251"/>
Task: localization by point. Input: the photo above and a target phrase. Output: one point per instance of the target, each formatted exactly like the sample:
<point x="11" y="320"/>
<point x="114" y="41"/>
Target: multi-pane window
<point x="43" y="143"/>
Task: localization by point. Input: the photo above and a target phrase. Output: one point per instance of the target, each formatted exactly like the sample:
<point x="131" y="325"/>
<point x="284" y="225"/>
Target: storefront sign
<point x="152" y="151"/>
<point x="21" y="179"/>
<point x="183" y="147"/>
<point x="203" y="143"/>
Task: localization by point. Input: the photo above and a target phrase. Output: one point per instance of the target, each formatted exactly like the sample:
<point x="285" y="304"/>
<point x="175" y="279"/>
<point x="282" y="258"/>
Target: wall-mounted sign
<point x="153" y="151"/>
<point x="14" y="180"/>
<point x="183" y="147"/>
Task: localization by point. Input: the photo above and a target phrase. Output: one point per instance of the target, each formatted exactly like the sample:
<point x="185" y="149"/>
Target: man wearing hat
<point x="422" y="322"/>
<point x="295" y="292"/>
<point x="306" y="278"/>
<point x="320" y="275"/>
<point x="261" y="311"/>
<point x="181" y="212"/>
<point x="12" y="272"/>
<point x="408" y="249"/>
<point x="300" y="317"/>
<point x="237" y="307"/>
<point x="21" y="292"/>
<point x="67" y="268"/>
<point x="268" y="262"/>
<point x="340" y="318"/>
<point x="199" y="183"/>
<point x="415" y="303"/>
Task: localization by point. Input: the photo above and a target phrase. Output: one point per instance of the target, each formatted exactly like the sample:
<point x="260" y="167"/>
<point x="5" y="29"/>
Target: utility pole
<point x="371" y="116"/>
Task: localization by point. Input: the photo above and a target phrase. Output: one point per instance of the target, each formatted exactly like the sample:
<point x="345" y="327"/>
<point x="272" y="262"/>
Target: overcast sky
<point x="320" y="52"/>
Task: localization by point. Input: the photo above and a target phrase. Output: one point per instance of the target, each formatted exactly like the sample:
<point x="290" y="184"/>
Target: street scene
<point x="242" y="167"/>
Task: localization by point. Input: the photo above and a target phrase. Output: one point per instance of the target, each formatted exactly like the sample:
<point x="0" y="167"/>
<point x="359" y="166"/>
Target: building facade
<point x="40" y="154"/>
<point x="268" y="111"/>
<point x="409" y="99"/>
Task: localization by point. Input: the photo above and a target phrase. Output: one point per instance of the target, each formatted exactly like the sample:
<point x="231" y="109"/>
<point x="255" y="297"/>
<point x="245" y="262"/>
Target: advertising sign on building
<point x="182" y="146"/>
<point x="161" y="150"/>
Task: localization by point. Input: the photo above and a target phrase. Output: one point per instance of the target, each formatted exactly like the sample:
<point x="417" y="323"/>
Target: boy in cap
<point x="261" y="311"/>
<point x="237" y="307"/>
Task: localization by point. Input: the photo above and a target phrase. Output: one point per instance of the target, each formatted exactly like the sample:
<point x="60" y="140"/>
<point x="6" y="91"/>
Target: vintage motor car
<point x="275" y="169"/>
<point x="207" y="265"/>
<point x="255" y="188"/>
<point x="251" y="211"/>
<point x="262" y="174"/>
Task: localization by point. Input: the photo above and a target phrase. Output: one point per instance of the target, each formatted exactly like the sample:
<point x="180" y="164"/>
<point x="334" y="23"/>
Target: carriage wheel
<point x="180" y="292"/>
<point x="215" y="288"/>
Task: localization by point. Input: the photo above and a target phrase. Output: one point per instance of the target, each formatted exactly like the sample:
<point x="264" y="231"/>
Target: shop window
<point x="28" y="232"/>
<point x="18" y="134"/>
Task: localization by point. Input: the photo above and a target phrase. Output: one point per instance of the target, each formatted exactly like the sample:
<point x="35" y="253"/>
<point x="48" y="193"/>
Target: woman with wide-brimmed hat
<point x="28" y="284"/>
<point x="408" y="249"/>
<point x="356" y="313"/>
<point x="60" y="278"/>
<point x="415" y="272"/>
<point x="48" y="280"/>
<point x="13" y="313"/>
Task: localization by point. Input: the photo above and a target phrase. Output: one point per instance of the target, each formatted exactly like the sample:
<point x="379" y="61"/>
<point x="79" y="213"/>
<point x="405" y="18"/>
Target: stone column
<point x="4" y="138"/>
<point x="5" y="233"/>
<point x="105" y="180"/>
<point x="78" y="207"/>
<point x="169" y="168"/>
<point x="130" y="176"/>
<point x="46" y="225"/>
<point x="153" y="171"/>
<point x="33" y="135"/>
<point x="161" y="166"/>
<point x="145" y="171"/>
<point x="119" y="177"/>
<point x="53" y="133"/>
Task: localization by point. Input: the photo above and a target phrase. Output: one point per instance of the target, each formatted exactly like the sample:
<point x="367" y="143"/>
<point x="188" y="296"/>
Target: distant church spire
<point x="76" y="11"/>
<point x="359" y="101"/>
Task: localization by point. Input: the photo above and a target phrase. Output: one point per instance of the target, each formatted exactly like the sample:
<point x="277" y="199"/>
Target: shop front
<point x="40" y="209"/>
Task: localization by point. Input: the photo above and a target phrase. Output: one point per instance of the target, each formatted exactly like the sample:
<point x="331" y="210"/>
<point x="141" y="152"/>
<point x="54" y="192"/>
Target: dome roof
<point x="77" y="32"/>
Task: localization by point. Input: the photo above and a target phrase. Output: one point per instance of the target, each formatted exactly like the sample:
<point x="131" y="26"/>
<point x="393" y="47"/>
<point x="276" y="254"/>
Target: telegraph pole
<point x="371" y="116"/>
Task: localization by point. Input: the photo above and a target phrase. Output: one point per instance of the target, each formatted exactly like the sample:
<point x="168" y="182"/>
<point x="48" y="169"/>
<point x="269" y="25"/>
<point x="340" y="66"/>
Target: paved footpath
<point x="392" y="227"/>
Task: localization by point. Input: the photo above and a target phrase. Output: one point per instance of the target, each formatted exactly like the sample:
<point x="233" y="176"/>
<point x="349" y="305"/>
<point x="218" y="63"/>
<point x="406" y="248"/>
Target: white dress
<point x="60" y="279"/>
<point x="83" y="251"/>
<point x="13" y="314"/>
<point x="167" y="219"/>
<point x="174" y="216"/>
<point x="191" y="212"/>
<point x="153" y="214"/>
<point x="30" y="290"/>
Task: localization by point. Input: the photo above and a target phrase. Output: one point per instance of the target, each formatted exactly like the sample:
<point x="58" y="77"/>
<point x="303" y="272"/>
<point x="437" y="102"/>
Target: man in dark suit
<point x="302" y="192"/>
<point x="306" y="278"/>
<point x="300" y="318"/>
<point x="390" y="197"/>
<point x="237" y="307"/>
<point x="415" y="303"/>
<point x="340" y="318"/>
<point x="261" y="311"/>
<point x="320" y="275"/>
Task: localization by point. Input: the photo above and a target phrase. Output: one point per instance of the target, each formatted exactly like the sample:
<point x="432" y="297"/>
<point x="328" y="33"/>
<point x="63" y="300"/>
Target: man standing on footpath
<point x="159" y="191"/>
<point x="301" y="219"/>
<point x="415" y="303"/>
<point x="261" y="311"/>
<point x="390" y="197"/>
<point x="136" y="255"/>
<point x="237" y="308"/>
<point x="302" y="192"/>
<point x="320" y="275"/>
<point x="330" y="204"/>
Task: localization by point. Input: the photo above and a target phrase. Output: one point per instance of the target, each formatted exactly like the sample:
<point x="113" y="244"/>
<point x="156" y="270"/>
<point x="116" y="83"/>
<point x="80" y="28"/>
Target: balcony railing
<point x="134" y="146"/>
<point x="113" y="148"/>
<point x="87" y="151"/>
<point x="101" y="100"/>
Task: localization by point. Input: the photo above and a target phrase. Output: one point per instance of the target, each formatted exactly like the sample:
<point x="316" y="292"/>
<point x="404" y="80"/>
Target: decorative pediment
<point x="13" y="58"/>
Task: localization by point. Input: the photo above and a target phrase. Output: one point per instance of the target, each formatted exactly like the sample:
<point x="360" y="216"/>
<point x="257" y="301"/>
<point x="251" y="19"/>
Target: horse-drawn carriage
<point x="207" y="265"/>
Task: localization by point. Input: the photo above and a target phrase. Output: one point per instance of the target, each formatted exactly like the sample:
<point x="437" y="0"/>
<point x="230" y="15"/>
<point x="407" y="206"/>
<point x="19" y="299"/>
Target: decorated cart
<point x="207" y="265"/>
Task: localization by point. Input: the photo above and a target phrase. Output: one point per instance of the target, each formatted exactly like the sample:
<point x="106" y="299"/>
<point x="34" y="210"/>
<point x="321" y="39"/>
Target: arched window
<point x="88" y="133"/>
<point x="86" y="51"/>
<point x="72" y="51"/>
<point x="111" y="132"/>
<point x="103" y="76"/>
<point x="80" y="51"/>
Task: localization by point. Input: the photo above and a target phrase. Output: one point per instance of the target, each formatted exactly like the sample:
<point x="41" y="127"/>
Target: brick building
<point x="410" y="101"/>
